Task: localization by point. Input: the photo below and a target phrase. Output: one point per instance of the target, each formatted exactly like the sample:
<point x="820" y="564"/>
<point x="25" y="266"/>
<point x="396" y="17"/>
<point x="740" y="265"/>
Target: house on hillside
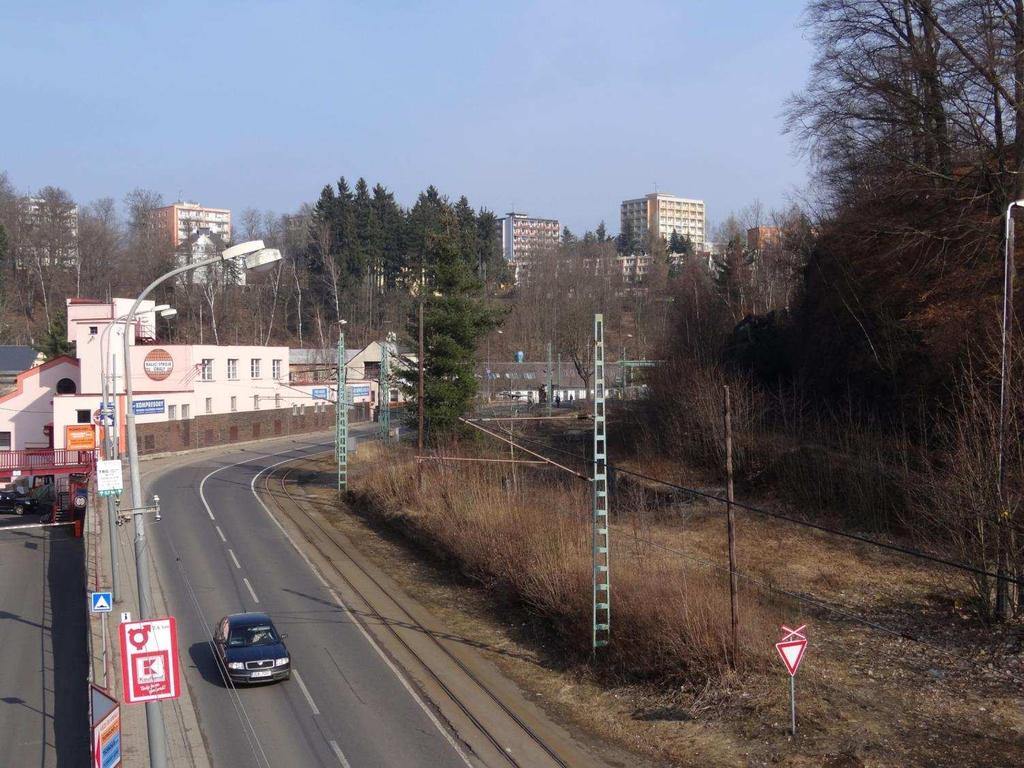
<point x="13" y="360"/>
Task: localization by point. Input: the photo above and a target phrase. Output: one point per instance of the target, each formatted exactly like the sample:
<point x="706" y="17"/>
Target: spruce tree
<point x="456" y="319"/>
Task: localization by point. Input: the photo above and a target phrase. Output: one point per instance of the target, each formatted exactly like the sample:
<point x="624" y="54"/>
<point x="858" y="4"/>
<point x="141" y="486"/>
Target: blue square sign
<point x="101" y="602"/>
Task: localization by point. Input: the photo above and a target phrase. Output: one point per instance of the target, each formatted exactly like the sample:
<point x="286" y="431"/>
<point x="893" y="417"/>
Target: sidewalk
<point x="184" y="739"/>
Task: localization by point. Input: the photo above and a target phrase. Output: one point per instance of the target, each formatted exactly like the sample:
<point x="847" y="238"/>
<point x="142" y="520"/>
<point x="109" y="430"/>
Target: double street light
<point x="257" y="258"/>
<point x="110" y="443"/>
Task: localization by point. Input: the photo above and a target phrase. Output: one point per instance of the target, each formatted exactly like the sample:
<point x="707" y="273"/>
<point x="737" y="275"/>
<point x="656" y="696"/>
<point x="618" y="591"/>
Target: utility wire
<point x="796" y="521"/>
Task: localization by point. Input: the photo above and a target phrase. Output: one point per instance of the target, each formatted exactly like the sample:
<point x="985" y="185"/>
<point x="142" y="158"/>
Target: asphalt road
<point x="43" y="654"/>
<point x="344" y="704"/>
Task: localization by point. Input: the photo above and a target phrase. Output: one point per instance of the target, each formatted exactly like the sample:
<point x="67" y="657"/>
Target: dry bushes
<point x="528" y="541"/>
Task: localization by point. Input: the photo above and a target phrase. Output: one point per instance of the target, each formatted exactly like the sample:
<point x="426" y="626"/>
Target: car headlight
<point x="281" y="662"/>
<point x="236" y="665"/>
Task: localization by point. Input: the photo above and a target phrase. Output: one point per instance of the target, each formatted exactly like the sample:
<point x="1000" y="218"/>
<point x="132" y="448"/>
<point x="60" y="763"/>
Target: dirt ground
<point x="896" y="673"/>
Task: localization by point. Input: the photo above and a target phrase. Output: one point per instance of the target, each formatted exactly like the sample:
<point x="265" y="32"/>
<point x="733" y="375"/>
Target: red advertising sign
<point x="149" y="660"/>
<point x="792" y="648"/>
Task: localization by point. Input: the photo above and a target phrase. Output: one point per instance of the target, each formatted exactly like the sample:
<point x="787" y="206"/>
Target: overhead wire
<point x="795" y="521"/>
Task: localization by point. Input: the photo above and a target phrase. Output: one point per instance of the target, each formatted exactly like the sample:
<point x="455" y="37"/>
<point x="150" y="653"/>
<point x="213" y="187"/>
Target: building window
<point x="209" y="405"/>
<point x="275" y="369"/>
<point x="234" y="403"/>
<point x="206" y="369"/>
<point x="83" y="417"/>
<point x="254" y="368"/>
<point x="277" y="400"/>
<point x="295" y="409"/>
<point x="232" y="369"/>
<point x="186" y="411"/>
<point x="302" y="409"/>
<point x="93" y="330"/>
<point x="5" y="441"/>
<point x="255" y="402"/>
<point x="172" y="412"/>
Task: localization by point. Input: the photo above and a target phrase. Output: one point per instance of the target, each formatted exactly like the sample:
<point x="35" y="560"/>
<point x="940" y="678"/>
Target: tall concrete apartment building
<point x="51" y="226"/>
<point x="524" y="238"/>
<point x="182" y="221"/>
<point x="663" y="213"/>
<point x="196" y="232"/>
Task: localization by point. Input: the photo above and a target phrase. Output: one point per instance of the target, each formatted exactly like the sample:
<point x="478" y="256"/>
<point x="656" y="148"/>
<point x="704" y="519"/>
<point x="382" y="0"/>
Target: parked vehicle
<point x="250" y="650"/>
<point x="19" y="504"/>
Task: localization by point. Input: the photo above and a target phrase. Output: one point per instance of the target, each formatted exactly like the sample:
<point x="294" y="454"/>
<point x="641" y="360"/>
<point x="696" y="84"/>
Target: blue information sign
<point x="358" y="390"/>
<point x="320" y="393"/>
<point x="147" y="407"/>
<point x="101" y="602"/>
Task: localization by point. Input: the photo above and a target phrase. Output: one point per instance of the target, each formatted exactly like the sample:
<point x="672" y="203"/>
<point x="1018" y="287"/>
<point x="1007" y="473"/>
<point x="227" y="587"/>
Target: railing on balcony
<point x="40" y="460"/>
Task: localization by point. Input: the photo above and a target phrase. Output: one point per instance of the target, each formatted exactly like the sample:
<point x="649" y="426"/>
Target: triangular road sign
<point x="792" y="653"/>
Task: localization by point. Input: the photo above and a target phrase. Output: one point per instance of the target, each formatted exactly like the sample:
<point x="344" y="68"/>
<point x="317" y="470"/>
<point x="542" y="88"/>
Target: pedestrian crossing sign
<point x="102" y="602"/>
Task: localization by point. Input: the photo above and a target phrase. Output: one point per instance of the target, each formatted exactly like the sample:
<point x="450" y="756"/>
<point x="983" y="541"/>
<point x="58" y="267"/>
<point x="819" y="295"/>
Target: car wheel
<point x="19" y="509"/>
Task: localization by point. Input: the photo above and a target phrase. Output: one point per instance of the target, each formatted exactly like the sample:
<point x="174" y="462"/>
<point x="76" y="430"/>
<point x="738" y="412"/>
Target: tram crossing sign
<point x="791" y="648"/>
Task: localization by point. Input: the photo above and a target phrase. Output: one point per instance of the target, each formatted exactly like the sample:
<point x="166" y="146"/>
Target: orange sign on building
<point x="80" y="437"/>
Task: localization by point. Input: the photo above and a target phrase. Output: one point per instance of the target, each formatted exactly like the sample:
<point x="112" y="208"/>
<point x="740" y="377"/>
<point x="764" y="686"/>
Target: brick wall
<point x="227" y="428"/>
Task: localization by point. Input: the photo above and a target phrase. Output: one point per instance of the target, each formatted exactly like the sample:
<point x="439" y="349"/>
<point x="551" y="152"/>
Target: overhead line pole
<point x="341" y="419"/>
<point x="602" y="612"/>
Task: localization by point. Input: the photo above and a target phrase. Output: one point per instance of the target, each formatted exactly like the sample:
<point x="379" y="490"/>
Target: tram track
<point x="276" y="486"/>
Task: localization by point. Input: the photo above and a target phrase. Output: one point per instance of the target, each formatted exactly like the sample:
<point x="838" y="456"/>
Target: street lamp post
<point x="257" y="258"/>
<point x="109" y="440"/>
<point x="1009" y="268"/>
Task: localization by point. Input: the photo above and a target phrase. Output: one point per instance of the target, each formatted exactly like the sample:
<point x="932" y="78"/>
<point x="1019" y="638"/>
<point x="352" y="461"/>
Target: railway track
<point x="296" y="507"/>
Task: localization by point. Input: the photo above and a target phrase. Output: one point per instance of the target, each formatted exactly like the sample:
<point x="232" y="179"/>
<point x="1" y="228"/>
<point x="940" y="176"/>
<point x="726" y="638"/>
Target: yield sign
<point x="792" y="648"/>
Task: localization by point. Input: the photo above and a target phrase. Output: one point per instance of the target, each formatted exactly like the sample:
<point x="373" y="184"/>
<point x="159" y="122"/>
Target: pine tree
<point x="627" y="238"/>
<point x="55" y="342"/>
<point x="602" y="233"/>
<point x="455" y="321"/>
<point x="568" y="238"/>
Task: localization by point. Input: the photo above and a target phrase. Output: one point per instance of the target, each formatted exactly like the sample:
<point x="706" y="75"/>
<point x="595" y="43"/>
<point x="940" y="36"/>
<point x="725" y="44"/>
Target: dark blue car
<point x="250" y="649"/>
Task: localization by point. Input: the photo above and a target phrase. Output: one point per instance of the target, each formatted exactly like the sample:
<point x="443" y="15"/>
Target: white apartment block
<point x="524" y="238"/>
<point x="663" y="213"/>
<point x="53" y="238"/>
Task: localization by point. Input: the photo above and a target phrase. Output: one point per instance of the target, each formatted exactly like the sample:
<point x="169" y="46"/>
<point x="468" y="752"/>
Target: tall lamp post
<point x="257" y="258"/>
<point x="109" y="442"/>
<point x="1009" y="268"/>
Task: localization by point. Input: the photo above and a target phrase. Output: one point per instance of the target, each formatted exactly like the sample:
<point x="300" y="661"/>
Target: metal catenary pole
<point x="341" y="419"/>
<point x="384" y="389"/>
<point x="419" y="399"/>
<point x="550" y="392"/>
<point x="558" y="374"/>
<point x="730" y="498"/>
<point x="602" y="613"/>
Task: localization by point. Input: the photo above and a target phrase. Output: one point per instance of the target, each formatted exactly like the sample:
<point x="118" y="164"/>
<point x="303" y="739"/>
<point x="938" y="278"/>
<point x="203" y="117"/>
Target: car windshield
<point x="256" y="634"/>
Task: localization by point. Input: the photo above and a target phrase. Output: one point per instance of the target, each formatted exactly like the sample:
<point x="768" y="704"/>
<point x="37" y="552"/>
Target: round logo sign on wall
<point x="158" y="364"/>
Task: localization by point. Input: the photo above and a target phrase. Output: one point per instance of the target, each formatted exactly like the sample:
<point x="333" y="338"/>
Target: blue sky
<point x="561" y="109"/>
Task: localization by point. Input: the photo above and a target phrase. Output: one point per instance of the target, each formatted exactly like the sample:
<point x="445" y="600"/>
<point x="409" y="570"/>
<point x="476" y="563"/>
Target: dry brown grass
<point x="527" y="539"/>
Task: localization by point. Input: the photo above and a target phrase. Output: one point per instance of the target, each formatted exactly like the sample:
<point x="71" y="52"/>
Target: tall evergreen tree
<point x="602" y="233"/>
<point x="455" y="321"/>
<point x="627" y="238"/>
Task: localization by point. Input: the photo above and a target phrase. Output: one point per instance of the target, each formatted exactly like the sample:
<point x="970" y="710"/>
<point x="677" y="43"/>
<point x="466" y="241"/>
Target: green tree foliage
<point x="601" y="234"/>
<point x="54" y="342"/>
<point x="456" y="319"/>
<point x="627" y="242"/>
